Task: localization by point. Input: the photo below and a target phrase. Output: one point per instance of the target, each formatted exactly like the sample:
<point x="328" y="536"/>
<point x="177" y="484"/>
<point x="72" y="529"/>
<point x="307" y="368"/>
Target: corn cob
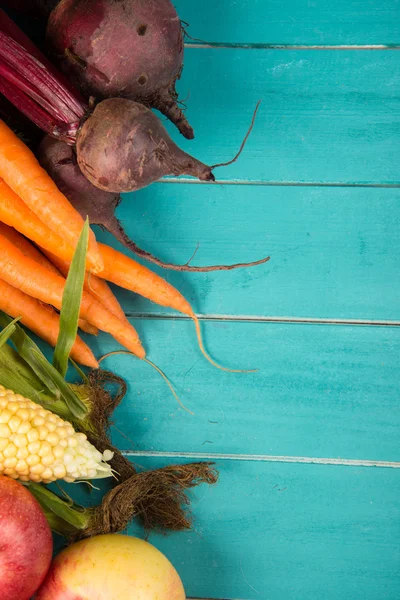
<point x="37" y="445"/>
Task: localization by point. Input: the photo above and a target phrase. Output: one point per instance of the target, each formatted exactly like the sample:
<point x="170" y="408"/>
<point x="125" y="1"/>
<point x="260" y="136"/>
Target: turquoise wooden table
<point x="308" y="449"/>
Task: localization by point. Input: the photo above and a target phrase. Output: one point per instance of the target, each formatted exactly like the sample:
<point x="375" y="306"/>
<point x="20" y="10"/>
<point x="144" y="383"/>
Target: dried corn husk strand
<point x="158" y="498"/>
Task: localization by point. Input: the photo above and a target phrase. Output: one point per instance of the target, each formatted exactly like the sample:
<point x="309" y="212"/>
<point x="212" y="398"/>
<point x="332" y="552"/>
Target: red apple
<point x="26" y="544"/>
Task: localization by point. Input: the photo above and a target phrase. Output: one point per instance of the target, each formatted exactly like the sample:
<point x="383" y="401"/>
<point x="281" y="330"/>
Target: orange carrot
<point x="95" y="286"/>
<point x="15" y="213"/>
<point x="131" y="275"/>
<point x="118" y="268"/>
<point x="42" y="320"/>
<point x="26" y="247"/>
<point x="22" y="172"/>
<point x="30" y="250"/>
<point x="33" y="279"/>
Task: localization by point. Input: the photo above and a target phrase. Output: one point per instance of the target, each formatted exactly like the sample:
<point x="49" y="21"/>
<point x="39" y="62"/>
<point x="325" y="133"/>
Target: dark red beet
<point x="123" y="147"/>
<point x="128" y="48"/>
<point x="31" y="8"/>
<point x="58" y="158"/>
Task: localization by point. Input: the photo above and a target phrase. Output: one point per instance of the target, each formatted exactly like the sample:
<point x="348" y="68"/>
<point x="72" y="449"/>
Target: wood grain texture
<point x="321" y="391"/>
<point x="290" y="531"/>
<point x="279" y="530"/>
<point x="325" y="116"/>
<point x="292" y="22"/>
<point x="334" y="251"/>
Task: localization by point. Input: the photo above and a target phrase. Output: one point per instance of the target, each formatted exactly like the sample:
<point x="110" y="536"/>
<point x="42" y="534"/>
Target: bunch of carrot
<point x="32" y="276"/>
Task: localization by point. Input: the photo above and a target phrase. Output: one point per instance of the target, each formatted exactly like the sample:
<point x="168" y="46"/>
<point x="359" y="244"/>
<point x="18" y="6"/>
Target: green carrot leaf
<point x="71" y="303"/>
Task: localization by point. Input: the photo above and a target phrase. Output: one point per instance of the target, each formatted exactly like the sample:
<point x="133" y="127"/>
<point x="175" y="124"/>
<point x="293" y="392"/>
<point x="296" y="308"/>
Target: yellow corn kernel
<point x="5" y="431"/>
<point x="37" y="445"/>
<point x="10" y="451"/>
<point x="14" y="423"/>
<point x="22" y="453"/>
<point x="20" y="440"/>
<point x="32" y="460"/>
<point x="45" y="448"/>
<point x="34" y="447"/>
<point x="52" y="438"/>
<point x="5" y="416"/>
<point x="32" y="435"/>
<point x="48" y="460"/>
<point x="10" y="463"/>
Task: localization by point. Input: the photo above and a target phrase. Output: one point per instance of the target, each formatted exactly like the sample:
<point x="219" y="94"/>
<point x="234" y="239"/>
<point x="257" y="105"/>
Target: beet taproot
<point x="59" y="160"/>
<point x="128" y="48"/>
<point x="123" y="147"/>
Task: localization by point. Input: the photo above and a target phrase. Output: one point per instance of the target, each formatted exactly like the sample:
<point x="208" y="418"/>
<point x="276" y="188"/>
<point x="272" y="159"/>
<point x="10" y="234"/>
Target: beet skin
<point x="122" y="147"/>
<point x="128" y="48"/>
<point x="59" y="160"/>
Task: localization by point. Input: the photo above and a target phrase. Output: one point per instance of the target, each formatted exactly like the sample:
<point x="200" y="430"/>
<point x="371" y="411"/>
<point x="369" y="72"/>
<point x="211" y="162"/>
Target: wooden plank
<point x="321" y="391"/>
<point x="292" y="22"/>
<point x="334" y="251"/>
<point x="325" y="116"/>
<point x="291" y="531"/>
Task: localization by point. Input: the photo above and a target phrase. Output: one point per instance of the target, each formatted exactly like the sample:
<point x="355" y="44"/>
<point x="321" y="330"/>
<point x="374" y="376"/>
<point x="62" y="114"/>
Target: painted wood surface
<point x="317" y="188"/>
<point x="276" y="527"/>
<point x="334" y="251"/>
<point x="290" y="531"/>
<point x="326" y="116"/>
<point x="300" y="22"/>
<point x="321" y="391"/>
<point x="332" y="533"/>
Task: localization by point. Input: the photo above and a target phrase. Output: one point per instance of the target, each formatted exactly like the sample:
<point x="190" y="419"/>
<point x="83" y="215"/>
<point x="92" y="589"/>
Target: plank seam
<point x="361" y="184"/>
<point x="265" y="46"/>
<point x="267" y="319"/>
<point x="346" y="462"/>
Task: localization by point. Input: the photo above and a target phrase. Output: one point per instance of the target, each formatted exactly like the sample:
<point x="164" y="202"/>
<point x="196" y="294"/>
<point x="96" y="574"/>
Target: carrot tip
<point x="208" y="357"/>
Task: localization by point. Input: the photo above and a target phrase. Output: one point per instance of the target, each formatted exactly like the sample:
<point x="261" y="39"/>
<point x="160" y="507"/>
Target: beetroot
<point x="128" y="48"/>
<point x="31" y="8"/>
<point x="59" y="160"/>
<point x="123" y="147"/>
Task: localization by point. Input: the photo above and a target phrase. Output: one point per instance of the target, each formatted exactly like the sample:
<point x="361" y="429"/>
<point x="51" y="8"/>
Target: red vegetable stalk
<point x="35" y="87"/>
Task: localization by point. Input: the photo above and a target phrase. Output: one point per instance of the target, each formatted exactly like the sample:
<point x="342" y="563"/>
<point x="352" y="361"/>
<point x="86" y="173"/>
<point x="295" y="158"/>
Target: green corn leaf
<point x="71" y="303"/>
<point x="7" y="332"/>
<point x="47" y="374"/>
<point x="73" y="514"/>
<point x="64" y="517"/>
<point x="16" y="375"/>
<point x="81" y="374"/>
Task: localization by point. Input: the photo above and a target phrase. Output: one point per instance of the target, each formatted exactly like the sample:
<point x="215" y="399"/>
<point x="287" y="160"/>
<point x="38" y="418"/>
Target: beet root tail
<point x="115" y="228"/>
<point x="168" y="105"/>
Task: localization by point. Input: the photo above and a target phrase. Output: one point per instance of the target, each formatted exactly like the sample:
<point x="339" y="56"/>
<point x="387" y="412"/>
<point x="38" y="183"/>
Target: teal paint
<point x="274" y="531"/>
<point x="321" y="390"/>
<point x="334" y="251"/>
<point x="326" y="116"/>
<point x="292" y="22"/>
<point x="291" y="531"/>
